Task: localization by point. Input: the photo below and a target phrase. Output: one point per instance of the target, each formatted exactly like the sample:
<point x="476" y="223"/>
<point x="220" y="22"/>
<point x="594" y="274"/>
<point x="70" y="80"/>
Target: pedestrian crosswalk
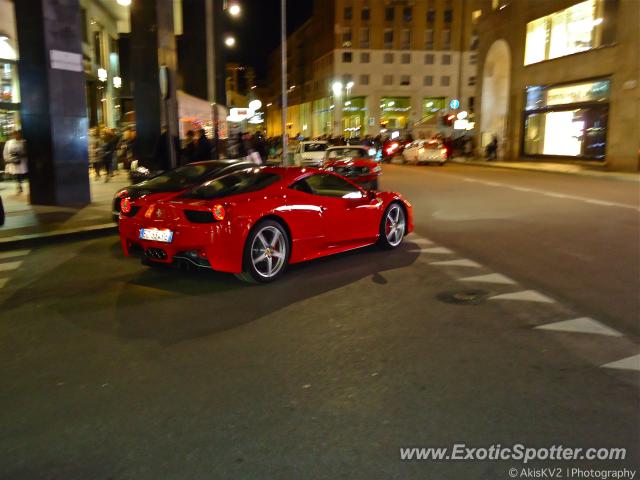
<point x="458" y="267"/>
<point x="10" y="262"/>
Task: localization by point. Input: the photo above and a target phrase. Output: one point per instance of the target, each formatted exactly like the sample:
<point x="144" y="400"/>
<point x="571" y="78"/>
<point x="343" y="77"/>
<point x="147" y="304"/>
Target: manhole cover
<point x="464" y="297"/>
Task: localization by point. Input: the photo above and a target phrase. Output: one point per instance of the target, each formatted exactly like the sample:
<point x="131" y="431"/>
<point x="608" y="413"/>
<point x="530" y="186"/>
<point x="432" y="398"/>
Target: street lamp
<point x="230" y="41"/>
<point x="235" y="10"/>
<point x="124" y="3"/>
<point x="337" y="88"/>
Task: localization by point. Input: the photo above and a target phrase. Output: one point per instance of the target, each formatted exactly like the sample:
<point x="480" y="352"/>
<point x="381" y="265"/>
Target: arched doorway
<point x="495" y="93"/>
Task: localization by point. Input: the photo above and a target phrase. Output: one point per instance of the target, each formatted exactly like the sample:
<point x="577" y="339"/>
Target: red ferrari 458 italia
<point x="254" y="222"/>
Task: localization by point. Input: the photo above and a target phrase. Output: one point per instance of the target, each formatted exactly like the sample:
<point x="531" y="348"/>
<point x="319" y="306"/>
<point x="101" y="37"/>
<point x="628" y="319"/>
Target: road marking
<point x="592" y="201"/>
<point x="581" y="325"/>
<point x="629" y="363"/>
<point x="15" y="253"/>
<point x="3" y="282"/>
<point x="459" y="262"/>
<point x="420" y="241"/>
<point x="5" y="267"/>
<point x="442" y="250"/>
<point x="525" y="296"/>
<point x="490" y="278"/>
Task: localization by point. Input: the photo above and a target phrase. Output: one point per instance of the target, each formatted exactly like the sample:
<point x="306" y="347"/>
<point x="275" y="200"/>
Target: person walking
<point x="109" y="142"/>
<point x="15" y="157"/>
<point x="203" y="146"/>
<point x="189" y="148"/>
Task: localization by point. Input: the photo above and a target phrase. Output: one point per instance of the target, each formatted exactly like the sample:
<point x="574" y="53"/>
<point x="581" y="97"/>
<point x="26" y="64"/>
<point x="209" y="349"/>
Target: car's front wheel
<point x="266" y="253"/>
<point x="393" y="226"/>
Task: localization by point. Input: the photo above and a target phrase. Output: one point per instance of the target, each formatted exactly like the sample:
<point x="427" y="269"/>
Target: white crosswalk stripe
<point x="525" y="296"/>
<point x="439" y="250"/>
<point x="459" y="262"/>
<point x="8" y="266"/>
<point x="581" y="325"/>
<point x="490" y="278"/>
<point x="14" y="254"/>
<point x="629" y="363"/>
<point x="420" y="240"/>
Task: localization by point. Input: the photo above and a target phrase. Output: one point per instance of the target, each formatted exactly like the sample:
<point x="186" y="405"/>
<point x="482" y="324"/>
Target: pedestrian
<point x="189" y="148"/>
<point x="1" y="212"/>
<point x="95" y="159"/>
<point x="203" y="146"/>
<point x="15" y="158"/>
<point x="492" y="149"/>
<point x="109" y="143"/>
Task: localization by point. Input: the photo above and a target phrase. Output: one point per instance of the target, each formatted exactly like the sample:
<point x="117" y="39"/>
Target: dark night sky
<point x="258" y="30"/>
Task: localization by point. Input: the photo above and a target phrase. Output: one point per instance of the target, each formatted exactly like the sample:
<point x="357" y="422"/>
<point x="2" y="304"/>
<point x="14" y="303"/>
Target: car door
<point x="350" y="215"/>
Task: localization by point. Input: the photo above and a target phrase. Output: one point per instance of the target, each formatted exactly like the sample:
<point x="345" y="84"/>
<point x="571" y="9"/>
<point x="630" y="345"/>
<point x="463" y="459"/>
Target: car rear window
<point x="348" y="153"/>
<point x="180" y="178"/>
<point x="315" y="147"/>
<point x="244" y="181"/>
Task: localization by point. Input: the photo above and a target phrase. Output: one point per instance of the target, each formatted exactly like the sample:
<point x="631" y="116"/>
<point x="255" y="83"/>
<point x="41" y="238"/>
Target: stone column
<point x="53" y="108"/>
<point x="153" y="45"/>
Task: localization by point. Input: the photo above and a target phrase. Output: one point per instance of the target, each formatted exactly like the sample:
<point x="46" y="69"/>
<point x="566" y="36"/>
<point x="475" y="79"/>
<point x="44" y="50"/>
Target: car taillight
<point x="218" y="212"/>
<point x="443" y="151"/>
<point x="125" y="205"/>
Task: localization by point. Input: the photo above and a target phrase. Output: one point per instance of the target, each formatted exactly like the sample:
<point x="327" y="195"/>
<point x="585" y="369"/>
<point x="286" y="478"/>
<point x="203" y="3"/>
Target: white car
<point x="425" y="151"/>
<point x="310" y="153"/>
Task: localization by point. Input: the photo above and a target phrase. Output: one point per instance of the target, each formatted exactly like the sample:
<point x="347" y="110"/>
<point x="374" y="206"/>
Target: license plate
<point x="156" y="235"/>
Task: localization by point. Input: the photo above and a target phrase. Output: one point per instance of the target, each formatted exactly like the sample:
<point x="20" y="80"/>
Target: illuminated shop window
<point x="572" y="30"/>
<point x="567" y="120"/>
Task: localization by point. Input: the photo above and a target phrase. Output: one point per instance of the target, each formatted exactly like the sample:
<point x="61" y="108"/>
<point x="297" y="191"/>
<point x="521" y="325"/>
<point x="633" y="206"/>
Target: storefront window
<point x="353" y="115"/>
<point x="568" y="120"/>
<point x="395" y="112"/>
<point x="431" y="106"/>
<point x="572" y="30"/>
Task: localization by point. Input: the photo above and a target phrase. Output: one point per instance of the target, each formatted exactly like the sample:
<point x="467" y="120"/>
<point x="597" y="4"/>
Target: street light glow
<point x="230" y="41"/>
<point x="350" y="85"/>
<point x="337" y="88"/>
<point x="234" y="10"/>
<point x="124" y="3"/>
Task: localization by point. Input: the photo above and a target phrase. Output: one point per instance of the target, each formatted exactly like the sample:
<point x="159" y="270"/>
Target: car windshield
<point x="180" y="178"/>
<point x="347" y="153"/>
<point x="431" y="145"/>
<point x="244" y="181"/>
<point x="314" y="147"/>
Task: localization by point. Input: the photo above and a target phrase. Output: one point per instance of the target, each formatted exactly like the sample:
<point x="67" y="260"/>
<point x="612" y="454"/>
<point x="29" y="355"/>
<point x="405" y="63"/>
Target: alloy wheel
<point x="268" y="251"/>
<point x="394" y="225"/>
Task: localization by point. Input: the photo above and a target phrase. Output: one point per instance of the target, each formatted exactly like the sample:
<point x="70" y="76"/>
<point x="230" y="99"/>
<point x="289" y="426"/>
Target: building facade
<point x="360" y="67"/>
<point x="558" y="81"/>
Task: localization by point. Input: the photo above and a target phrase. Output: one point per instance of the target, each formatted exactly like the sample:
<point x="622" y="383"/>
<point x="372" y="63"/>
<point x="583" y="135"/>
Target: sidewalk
<point x="25" y="222"/>
<point x="565" y="168"/>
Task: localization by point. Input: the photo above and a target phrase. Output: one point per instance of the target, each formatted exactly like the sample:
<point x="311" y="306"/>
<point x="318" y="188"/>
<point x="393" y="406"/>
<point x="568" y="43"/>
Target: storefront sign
<point x="65" y="60"/>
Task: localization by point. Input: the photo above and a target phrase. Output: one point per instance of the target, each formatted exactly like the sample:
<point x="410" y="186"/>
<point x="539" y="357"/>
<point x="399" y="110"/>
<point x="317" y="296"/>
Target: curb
<point x="580" y="173"/>
<point x="32" y="239"/>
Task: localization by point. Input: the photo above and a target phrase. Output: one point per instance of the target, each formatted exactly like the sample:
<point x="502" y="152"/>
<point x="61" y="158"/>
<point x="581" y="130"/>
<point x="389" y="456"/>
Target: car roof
<point x="313" y="141"/>
<point x="335" y="147"/>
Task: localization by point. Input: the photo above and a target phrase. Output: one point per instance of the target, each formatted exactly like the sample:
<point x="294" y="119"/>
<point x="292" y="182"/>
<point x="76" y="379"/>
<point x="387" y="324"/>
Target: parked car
<point x="425" y="151"/>
<point x="357" y="163"/>
<point x="310" y="153"/>
<point x="256" y="221"/>
<point x="174" y="182"/>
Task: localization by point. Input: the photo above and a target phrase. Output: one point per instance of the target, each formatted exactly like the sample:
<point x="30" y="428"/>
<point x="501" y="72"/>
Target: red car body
<point x="316" y="225"/>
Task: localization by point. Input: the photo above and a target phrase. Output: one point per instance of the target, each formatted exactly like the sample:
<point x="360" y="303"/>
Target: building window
<point x="406" y="39"/>
<point x="364" y="79"/>
<point x="429" y="59"/>
<point x="407" y="14"/>
<point x="446" y="59"/>
<point x="346" y="78"/>
<point x="446" y="39"/>
<point x="365" y="57"/>
<point x="448" y="15"/>
<point x="427" y="81"/>
<point x="572" y="30"/>
<point x="428" y="39"/>
<point x="405" y="58"/>
<point x="387" y="80"/>
<point x="431" y="15"/>
<point x="472" y="104"/>
<point x="348" y="13"/>
<point x="475" y="16"/>
<point x="405" y="80"/>
<point x="364" y="37"/>
<point x="365" y="14"/>
<point x="388" y="38"/>
<point x="471" y="81"/>
<point x="473" y="58"/>
<point x="346" y="37"/>
<point x="387" y="58"/>
<point x="567" y="120"/>
<point x="347" y="57"/>
<point x="389" y="14"/>
<point x="445" y="80"/>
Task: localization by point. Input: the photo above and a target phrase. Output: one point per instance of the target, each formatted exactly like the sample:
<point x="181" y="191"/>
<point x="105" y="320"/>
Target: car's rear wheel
<point x="266" y="253"/>
<point x="393" y="226"/>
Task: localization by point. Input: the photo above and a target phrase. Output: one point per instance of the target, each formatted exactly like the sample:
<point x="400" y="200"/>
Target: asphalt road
<point x="111" y="370"/>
